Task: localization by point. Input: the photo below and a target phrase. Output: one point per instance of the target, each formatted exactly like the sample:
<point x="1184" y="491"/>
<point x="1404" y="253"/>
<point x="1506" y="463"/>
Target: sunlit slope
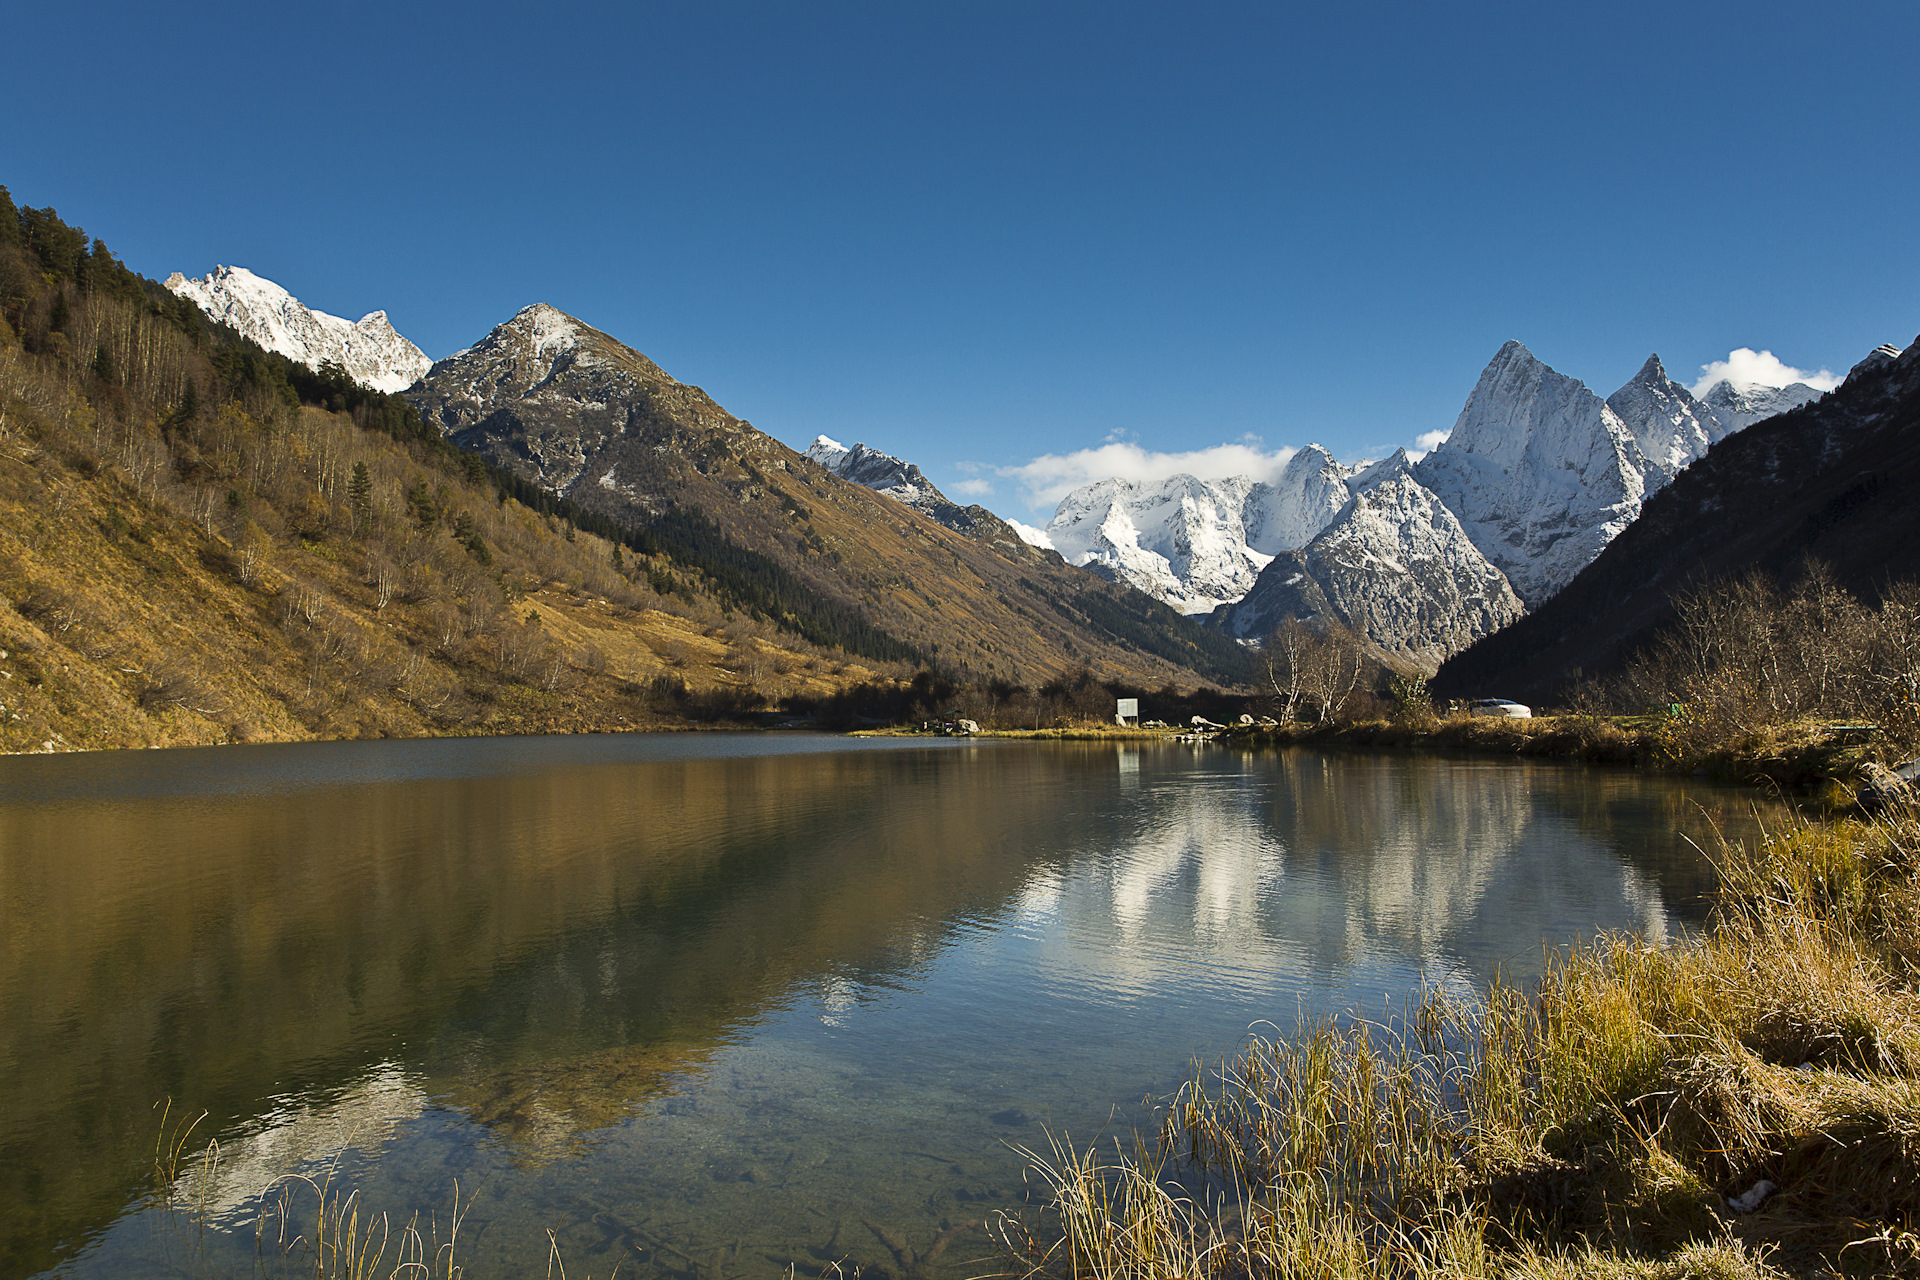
<point x="587" y="417"/>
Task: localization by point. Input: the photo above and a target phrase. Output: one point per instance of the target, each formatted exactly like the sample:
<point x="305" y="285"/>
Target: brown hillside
<point x="584" y="416"/>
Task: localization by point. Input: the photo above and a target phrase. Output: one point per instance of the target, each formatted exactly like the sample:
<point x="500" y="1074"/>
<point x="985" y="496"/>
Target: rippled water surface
<point x="709" y="1006"/>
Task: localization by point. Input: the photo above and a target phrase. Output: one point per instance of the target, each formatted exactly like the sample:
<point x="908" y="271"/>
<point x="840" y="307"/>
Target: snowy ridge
<point x="1180" y="540"/>
<point x="369" y="349"/>
<point x="1539" y="471"/>
<point x="1669" y="425"/>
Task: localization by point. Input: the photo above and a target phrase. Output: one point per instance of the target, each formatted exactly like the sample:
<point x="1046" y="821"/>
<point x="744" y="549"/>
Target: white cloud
<point x="1763" y="367"/>
<point x="1029" y="534"/>
<point x="1052" y="476"/>
<point x="1431" y="440"/>
<point x="975" y="488"/>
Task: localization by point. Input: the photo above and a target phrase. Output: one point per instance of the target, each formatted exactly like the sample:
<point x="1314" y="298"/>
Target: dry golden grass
<point x="1602" y="1124"/>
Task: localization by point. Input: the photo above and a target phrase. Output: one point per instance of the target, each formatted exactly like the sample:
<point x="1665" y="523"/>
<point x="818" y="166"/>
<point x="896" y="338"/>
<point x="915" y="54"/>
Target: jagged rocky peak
<point x="1738" y="405"/>
<point x="828" y="452"/>
<point x="1395" y="566"/>
<point x="1670" y="426"/>
<point x="898" y="479"/>
<point x="370" y="350"/>
<point x="1539" y="471"/>
<point x="1374" y="474"/>
<point x="905" y="483"/>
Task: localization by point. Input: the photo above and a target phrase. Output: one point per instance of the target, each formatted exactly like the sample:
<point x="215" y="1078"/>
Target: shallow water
<point x="709" y="1006"/>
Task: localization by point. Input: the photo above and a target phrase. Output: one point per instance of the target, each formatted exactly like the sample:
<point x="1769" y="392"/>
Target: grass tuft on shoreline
<point x="1613" y="1121"/>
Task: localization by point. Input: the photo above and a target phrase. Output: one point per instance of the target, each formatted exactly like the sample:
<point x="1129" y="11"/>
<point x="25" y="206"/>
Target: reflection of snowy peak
<point x="370" y="350"/>
<point x="1540" y="472"/>
<point x="1396" y="566"/>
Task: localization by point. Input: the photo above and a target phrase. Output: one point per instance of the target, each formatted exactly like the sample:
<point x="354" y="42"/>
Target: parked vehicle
<point x="1499" y="707"/>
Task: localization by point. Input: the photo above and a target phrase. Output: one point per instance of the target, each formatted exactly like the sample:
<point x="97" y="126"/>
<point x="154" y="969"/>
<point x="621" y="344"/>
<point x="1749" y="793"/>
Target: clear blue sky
<point x="974" y="234"/>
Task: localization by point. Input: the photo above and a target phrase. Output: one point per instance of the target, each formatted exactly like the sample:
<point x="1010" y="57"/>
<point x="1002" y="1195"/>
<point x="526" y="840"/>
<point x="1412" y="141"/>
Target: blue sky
<point x="975" y="235"/>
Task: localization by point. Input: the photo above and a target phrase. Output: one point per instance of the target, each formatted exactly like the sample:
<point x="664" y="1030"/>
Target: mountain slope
<point x="1833" y="479"/>
<point x="369" y="349"/>
<point x="906" y="483"/>
<point x="580" y="414"/>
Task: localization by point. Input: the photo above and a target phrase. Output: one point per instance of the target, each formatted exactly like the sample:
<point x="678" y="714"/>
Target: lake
<point x="717" y="1005"/>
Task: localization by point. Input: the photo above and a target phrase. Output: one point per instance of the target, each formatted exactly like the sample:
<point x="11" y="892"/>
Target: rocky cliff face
<point x="906" y="483"/>
<point x="1395" y="566"/>
<point x="369" y="349"/>
<point x="1539" y="471"/>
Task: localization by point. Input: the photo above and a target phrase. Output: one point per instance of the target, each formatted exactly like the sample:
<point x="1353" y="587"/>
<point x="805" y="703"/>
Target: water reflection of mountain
<point x="1314" y="865"/>
<point x="549" y="946"/>
<point x="537" y="940"/>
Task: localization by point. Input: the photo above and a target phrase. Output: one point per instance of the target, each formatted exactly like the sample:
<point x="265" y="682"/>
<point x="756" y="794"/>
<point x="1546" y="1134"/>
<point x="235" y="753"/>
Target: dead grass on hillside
<point x="1602" y="1124"/>
<point x="141" y="609"/>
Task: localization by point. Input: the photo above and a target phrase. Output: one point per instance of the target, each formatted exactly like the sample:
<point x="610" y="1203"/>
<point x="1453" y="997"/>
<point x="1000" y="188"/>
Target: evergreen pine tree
<point x="9" y="219"/>
<point x="103" y="364"/>
<point x="420" y="502"/>
<point x="619" y="559"/>
<point x="61" y="315"/>
<point x="360" y="493"/>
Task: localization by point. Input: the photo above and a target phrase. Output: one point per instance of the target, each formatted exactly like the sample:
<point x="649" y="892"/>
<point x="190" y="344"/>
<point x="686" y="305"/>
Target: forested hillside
<point x="201" y="541"/>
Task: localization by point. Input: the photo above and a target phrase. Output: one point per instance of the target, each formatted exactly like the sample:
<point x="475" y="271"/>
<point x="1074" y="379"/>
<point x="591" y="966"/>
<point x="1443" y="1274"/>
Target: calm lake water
<point x="708" y="1006"/>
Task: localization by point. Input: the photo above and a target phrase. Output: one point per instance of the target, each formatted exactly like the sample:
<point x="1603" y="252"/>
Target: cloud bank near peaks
<point x="1745" y="365"/>
<point x="1052" y="476"/>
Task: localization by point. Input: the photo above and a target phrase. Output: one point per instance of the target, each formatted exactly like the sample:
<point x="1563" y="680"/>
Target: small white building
<point x="1126" y="711"/>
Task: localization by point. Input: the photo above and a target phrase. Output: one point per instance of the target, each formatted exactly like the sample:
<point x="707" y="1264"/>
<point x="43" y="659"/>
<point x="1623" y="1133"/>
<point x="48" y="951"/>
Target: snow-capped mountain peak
<point x="370" y="350"/>
<point x="828" y="452"/>
<point x="1669" y="425"/>
<point x="1539" y="471"/>
<point x="1738" y="405"/>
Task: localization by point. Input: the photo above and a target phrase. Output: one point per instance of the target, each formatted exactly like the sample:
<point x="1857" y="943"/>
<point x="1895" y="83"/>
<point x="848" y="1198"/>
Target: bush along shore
<point x="1745" y="1103"/>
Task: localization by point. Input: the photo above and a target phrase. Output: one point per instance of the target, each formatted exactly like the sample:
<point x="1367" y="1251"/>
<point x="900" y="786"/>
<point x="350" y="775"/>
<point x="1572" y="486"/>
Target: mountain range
<point x="1537" y="476"/>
